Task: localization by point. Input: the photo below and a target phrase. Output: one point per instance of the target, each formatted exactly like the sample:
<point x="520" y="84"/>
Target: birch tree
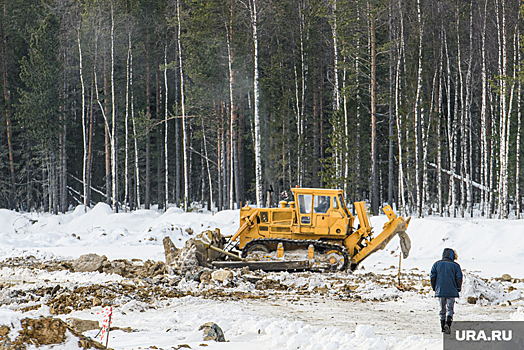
<point x="166" y="163"/>
<point x="519" y="122"/>
<point x="400" y="53"/>
<point x="182" y="104"/>
<point x="373" y="87"/>
<point x="113" y="117"/>
<point x="502" y="186"/>
<point x="256" y="104"/>
<point x="417" y="112"/>
<point x="126" y="126"/>
<point x="483" y="117"/>
<point x="231" y="113"/>
<point x="135" y="135"/>
<point x="84" y="154"/>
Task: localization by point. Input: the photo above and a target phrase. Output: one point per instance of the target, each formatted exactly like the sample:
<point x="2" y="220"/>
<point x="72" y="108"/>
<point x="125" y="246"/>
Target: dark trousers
<point x="446" y="308"/>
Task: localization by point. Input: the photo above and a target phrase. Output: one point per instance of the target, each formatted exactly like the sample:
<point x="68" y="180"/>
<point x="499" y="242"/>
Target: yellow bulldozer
<point x="313" y="231"/>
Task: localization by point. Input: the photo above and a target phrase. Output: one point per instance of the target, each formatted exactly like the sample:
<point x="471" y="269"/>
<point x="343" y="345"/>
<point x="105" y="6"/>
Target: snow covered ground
<point x="384" y="318"/>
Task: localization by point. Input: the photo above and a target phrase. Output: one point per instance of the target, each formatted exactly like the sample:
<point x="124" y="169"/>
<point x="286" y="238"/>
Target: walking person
<point x="446" y="281"/>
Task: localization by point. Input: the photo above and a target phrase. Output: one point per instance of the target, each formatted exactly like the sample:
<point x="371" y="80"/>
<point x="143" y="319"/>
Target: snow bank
<point x="40" y="277"/>
<point x="488" y="247"/>
<point x="137" y="234"/>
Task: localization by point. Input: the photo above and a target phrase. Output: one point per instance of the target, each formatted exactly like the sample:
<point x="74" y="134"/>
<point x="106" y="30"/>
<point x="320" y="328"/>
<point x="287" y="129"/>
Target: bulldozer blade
<point x="231" y="255"/>
<point x="405" y="243"/>
<point x="264" y="265"/>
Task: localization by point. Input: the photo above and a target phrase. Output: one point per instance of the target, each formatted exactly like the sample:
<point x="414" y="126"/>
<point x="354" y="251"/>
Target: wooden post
<point x="108" y="327"/>
<point x="399" y="267"/>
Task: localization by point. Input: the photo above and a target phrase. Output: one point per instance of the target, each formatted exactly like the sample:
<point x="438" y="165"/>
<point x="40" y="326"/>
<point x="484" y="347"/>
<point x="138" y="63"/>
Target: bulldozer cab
<point x="322" y="212"/>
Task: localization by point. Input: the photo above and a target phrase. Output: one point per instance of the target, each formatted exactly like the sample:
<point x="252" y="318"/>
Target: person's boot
<point x="447" y="326"/>
<point x="442" y="324"/>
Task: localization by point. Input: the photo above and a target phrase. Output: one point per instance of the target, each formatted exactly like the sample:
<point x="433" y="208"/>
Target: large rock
<point x="89" y="263"/>
<point x="170" y="251"/>
<point x="471" y="300"/>
<point x="506" y="277"/>
<point x="212" y="332"/>
<point x="119" y="267"/>
<point x="81" y="326"/>
<point x="205" y="276"/>
<point x="222" y="275"/>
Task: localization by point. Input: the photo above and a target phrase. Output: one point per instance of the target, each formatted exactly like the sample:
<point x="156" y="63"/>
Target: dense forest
<point x="414" y="103"/>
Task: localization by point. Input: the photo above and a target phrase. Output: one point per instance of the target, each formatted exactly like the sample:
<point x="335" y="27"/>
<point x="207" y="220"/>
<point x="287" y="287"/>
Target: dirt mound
<point x="43" y="331"/>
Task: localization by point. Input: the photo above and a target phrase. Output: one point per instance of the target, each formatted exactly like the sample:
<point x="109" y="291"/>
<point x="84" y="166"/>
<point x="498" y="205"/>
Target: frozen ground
<point x="382" y="317"/>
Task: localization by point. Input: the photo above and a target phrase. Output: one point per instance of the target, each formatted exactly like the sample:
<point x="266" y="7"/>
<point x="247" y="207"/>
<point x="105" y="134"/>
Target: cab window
<point x="343" y="205"/>
<point x="335" y="203"/>
<point x="304" y="203"/>
<point x="321" y="205"/>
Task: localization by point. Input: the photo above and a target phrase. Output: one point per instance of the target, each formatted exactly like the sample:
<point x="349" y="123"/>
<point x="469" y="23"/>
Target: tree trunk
<point x="358" y="187"/>
<point x="210" y="182"/>
<point x="84" y="155"/>
<point x="177" y="145"/>
<point x="113" y="117"/>
<point x="7" y="104"/>
<point x="316" y="134"/>
<point x="148" y="138"/>
<point x="159" y="166"/>
<point x="126" y="126"/>
<point x="390" y="111"/>
<point x="417" y="113"/>
<point x="518" y="72"/>
<point x="439" y="136"/>
<point x="166" y="162"/>
<point x="158" y="114"/>
<point x="107" y="138"/>
<point x="336" y="91"/>
<point x="62" y="168"/>
<point x="299" y="137"/>
<point x="232" y="113"/>
<point x="45" y="184"/>
<point x="300" y="121"/>
<point x="336" y="94"/>
<point x="137" y="168"/>
<point x="519" y="122"/>
<point x="223" y="165"/>
<point x="54" y="183"/>
<point x="90" y="146"/>
<point x="184" y="127"/>
<point x="258" y="160"/>
<point x="483" y="117"/>
<point x="469" y="172"/>
<point x="219" y="157"/>
<point x="501" y="34"/>
<point x="401" y="196"/>
<point x="374" y="154"/>
<point x="345" y="145"/>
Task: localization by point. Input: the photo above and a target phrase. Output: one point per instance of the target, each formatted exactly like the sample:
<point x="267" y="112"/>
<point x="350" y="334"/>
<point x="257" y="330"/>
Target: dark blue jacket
<point x="446" y="276"/>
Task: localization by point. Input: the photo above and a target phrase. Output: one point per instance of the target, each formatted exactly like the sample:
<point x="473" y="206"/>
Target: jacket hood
<point x="448" y="253"/>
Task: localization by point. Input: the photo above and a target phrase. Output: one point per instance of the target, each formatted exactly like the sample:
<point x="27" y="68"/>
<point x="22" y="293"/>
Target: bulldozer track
<point x="319" y="246"/>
